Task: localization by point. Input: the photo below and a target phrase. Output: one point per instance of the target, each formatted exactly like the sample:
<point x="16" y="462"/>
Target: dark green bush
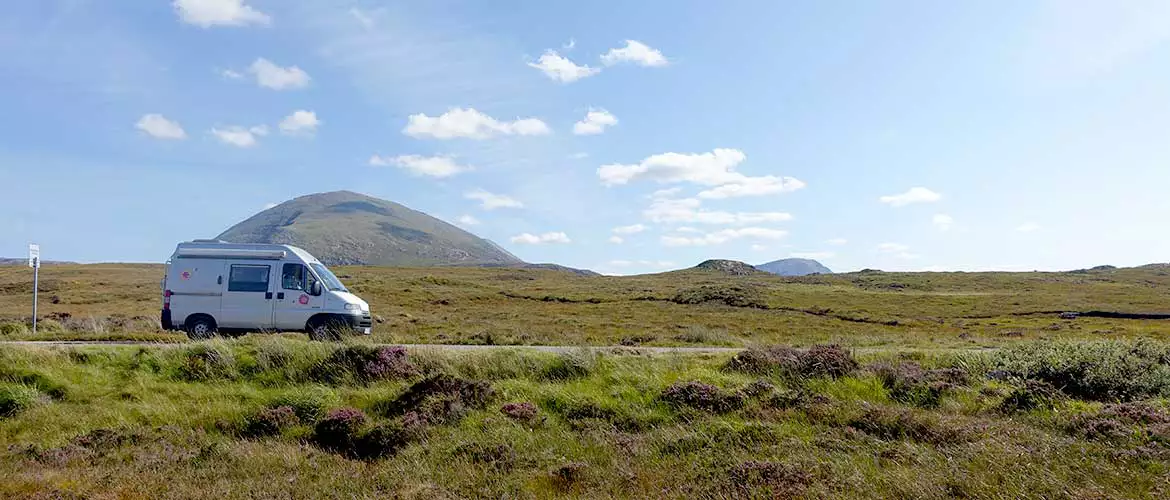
<point x="702" y="397"/>
<point x="381" y="441"/>
<point x="1031" y="395"/>
<point x="270" y="421"/>
<point x="16" y="398"/>
<point x="338" y="430"/>
<point x="816" y="361"/>
<point x="364" y="364"/>
<point x="438" y="399"/>
<point x="1096" y="371"/>
<point x="732" y="295"/>
<point x="309" y="405"/>
<point x="907" y="382"/>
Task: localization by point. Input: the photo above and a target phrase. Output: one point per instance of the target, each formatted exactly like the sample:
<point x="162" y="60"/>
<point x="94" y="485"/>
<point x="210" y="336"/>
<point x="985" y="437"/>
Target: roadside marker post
<point x="34" y="261"/>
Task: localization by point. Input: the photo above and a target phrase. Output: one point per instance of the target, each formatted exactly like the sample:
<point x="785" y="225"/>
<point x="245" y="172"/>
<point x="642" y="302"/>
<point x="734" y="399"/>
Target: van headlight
<point x="353" y="307"/>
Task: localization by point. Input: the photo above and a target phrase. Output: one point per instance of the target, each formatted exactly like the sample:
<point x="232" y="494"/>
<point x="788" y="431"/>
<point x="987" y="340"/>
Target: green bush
<point x="13" y="328"/>
<point x="817" y="361"/>
<point x="732" y="295"/>
<point x="1096" y="371"/>
<point x="570" y="365"/>
<point x="35" y="380"/>
<point x="206" y="362"/>
<point x="15" y="398"/>
<point x="309" y="405"/>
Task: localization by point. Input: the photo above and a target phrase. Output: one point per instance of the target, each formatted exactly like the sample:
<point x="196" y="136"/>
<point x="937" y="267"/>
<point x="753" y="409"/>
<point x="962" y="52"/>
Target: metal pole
<point x="36" y="287"/>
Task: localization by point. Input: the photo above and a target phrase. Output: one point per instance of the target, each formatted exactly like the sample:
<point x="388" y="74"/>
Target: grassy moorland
<point x="506" y="306"/>
<point x="278" y="418"/>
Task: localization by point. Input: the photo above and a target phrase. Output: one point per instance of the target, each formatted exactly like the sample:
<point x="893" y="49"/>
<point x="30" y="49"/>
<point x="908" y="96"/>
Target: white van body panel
<point x="255" y="287"/>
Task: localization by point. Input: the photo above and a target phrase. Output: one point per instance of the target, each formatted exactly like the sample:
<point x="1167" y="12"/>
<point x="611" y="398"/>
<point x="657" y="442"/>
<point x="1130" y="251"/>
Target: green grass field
<point x="948" y="385"/>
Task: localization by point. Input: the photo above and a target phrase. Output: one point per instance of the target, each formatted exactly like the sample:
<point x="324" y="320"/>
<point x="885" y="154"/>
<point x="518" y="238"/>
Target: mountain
<point x="343" y="227"/>
<point x="794" y="267"/>
<point x="728" y="267"/>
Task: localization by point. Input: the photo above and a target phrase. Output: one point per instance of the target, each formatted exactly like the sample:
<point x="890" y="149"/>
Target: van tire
<point x="324" y="329"/>
<point x="200" y="327"/>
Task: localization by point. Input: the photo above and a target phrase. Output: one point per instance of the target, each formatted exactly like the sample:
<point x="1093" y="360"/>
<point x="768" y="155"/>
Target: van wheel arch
<point x="200" y="326"/>
<point x="324" y="327"/>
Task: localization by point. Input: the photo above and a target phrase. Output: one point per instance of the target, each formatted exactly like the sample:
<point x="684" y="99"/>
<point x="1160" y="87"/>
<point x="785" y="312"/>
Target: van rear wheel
<point x="200" y="327"/>
<point x="324" y="329"/>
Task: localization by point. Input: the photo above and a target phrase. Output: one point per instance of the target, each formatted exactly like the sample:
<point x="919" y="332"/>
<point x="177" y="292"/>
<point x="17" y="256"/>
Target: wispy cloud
<point x="431" y="166"/>
<point x="914" y="195"/>
<point x="635" y="52"/>
<point x="942" y="221"/>
<point x="716" y="168"/>
<point x="238" y="136"/>
<point x="540" y="239"/>
<point x="492" y="201"/>
<point x="159" y="127"/>
<point x="723" y="236"/>
<point x="688" y="210"/>
<point x="630" y="229"/>
<point x="837" y="241"/>
<point x="470" y="124"/>
<point x="1028" y="227"/>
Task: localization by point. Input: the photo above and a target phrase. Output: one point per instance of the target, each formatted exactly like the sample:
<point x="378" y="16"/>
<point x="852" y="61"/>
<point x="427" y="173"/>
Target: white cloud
<point x="239" y="136"/>
<point x="471" y="124"/>
<point x="837" y="241"/>
<point x="534" y="239"/>
<point x="595" y="122"/>
<point x="617" y="240"/>
<point x="208" y="13"/>
<point x="560" y="68"/>
<point x="300" y="122"/>
<point x="491" y="201"/>
<point x="578" y="156"/>
<point x="433" y="166"/>
<point x="631" y="229"/>
<point x="569" y="46"/>
<point x="665" y="193"/>
<point x="812" y="255"/>
<point x="897" y="250"/>
<point x="914" y="195"/>
<point x="1028" y="227"/>
<point x="366" y="20"/>
<point x="635" y="52"/>
<point x="758" y="248"/>
<point x="716" y="168"/>
<point x="665" y="210"/>
<point x="942" y="221"/>
<point x="467" y="220"/>
<point x="723" y="236"/>
<point x="228" y="74"/>
<point x="754" y="186"/>
<point x="271" y="75"/>
<point x="687" y="229"/>
<point x="158" y="126"/>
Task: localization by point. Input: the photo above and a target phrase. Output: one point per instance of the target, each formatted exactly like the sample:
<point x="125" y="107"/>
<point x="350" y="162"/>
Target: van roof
<point x="236" y="248"/>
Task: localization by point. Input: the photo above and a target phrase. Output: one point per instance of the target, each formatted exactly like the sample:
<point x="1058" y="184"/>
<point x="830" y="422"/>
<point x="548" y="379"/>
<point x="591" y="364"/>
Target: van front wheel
<point x="324" y="329"/>
<point x="200" y="327"/>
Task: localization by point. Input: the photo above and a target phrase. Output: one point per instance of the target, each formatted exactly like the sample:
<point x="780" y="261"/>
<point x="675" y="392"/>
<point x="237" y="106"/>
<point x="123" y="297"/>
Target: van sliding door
<point x="248" y="295"/>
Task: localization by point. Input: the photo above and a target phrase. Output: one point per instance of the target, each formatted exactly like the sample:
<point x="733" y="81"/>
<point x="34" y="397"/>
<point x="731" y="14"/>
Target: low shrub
<point x="1031" y="395"/>
<point x="13" y="328"/>
<point x="732" y="295"/>
<point x="702" y="396"/>
<point x="381" y="440"/>
<point x="205" y="362"/>
<point x="1121" y="421"/>
<point x="338" y="430"/>
<point x="570" y="365"/>
<point x="901" y="423"/>
<point x="566" y="476"/>
<point x="364" y="364"/>
<point x="438" y="399"/>
<point x="768" y="480"/>
<point x="520" y="412"/>
<point x="1096" y="371"/>
<point x="308" y="405"/>
<point x="758" y="388"/>
<point x="907" y="382"/>
<point x="817" y="361"/>
<point x="16" y="398"/>
<point x="270" y="421"/>
<point x="34" y="379"/>
<point x="501" y="457"/>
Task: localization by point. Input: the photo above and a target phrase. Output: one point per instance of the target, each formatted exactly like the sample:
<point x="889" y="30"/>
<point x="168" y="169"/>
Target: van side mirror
<point x="316" y="289"/>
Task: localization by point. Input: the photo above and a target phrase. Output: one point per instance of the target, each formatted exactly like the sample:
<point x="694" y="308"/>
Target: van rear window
<point x="248" y="278"/>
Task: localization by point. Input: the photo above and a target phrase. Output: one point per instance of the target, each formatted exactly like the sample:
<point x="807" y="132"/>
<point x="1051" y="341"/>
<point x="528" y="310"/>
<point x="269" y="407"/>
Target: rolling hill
<point x="794" y="267"/>
<point x="347" y="228"/>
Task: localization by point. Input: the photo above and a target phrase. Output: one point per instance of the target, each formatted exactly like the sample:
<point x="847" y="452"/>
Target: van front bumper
<point x="360" y="323"/>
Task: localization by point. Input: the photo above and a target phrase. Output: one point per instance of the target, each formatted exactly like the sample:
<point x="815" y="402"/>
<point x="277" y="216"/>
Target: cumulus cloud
<point x="631" y="229"/>
<point x="595" y="122"/>
<point x="723" y="236"/>
<point x="837" y="241"/>
<point x="467" y="220"/>
<point x="492" y="201"/>
<point x="271" y="75"/>
<point x="300" y="122"/>
<point x="159" y="127"/>
<point x="942" y="221"/>
<point x="914" y="195"/>
<point x="559" y="68"/>
<point x="432" y="166"/>
<point x="208" y="13"/>
<point x="1028" y="227"/>
<point x="687" y="210"/>
<point x="635" y="52"/>
<point x="617" y="240"/>
<point x="471" y="124"/>
<point x="716" y="168"/>
<point x="540" y="239"/>
<point x="239" y="136"/>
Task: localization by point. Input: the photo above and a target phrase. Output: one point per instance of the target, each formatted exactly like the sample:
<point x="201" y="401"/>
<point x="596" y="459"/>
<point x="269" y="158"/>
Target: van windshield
<point x="328" y="279"/>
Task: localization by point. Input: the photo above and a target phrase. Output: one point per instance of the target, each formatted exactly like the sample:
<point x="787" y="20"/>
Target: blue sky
<point x="907" y="135"/>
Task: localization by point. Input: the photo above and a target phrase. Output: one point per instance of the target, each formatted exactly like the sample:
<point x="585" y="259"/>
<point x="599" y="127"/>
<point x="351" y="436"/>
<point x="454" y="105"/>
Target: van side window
<point x="293" y="277"/>
<point x="248" y="278"/>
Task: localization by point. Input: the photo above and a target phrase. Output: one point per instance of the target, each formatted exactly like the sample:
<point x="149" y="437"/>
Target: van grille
<point x="367" y="321"/>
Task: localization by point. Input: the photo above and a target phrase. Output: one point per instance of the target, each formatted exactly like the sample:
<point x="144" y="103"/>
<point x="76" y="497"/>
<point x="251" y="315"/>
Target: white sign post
<point x="34" y="261"/>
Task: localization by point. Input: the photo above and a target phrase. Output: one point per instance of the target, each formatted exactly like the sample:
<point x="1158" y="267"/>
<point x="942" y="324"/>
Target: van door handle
<point x="267" y="295"/>
<point x="279" y="295"/>
<point x="219" y="280"/>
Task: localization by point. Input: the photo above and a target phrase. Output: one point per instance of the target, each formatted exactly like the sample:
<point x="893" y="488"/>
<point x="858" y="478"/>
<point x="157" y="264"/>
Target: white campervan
<point x="214" y="286"/>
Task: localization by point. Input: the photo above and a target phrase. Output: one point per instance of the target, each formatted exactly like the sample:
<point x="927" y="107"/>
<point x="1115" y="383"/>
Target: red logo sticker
<point x="304" y="300"/>
<point x="186" y="275"/>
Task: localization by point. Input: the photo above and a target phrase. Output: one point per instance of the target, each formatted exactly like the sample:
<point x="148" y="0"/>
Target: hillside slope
<point x="344" y="228"/>
<point x="794" y="267"/>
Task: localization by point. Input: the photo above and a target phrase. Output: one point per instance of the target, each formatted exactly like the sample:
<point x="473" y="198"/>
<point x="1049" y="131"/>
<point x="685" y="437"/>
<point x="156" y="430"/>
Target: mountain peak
<point x="794" y="267"/>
